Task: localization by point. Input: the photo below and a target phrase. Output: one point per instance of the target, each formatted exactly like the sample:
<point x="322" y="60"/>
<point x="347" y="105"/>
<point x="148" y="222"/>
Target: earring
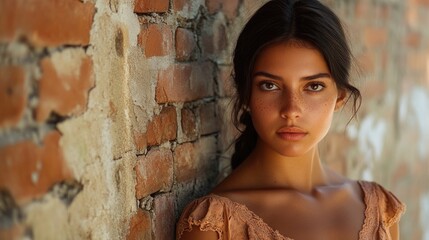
<point x="246" y="109"/>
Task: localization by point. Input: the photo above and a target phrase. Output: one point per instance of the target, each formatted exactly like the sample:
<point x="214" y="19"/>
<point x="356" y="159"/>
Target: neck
<point x="302" y="173"/>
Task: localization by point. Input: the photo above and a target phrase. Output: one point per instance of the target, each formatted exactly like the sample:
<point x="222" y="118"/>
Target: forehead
<point x="292" y="58"/>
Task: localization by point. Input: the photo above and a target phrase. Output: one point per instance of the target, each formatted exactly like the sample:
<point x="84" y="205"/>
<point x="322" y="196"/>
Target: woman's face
<point x="293" y="98"/>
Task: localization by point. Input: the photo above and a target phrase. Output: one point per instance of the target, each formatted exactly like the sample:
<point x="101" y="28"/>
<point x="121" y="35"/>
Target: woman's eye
<point x="268" y="86"/>
<point x="315" y="87"/>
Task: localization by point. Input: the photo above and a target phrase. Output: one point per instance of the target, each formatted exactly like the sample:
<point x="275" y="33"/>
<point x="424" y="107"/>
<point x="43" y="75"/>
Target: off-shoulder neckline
<point x="260" y="221"/>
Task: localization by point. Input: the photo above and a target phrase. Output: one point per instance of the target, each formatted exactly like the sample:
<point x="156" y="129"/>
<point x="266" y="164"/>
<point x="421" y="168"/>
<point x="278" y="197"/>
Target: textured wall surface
<point x="390" y="141"/>
<point x="114" y="113"/>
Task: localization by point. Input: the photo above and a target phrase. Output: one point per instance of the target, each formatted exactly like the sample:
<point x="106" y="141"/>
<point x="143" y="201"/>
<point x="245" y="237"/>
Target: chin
<point x="290" y="152"/>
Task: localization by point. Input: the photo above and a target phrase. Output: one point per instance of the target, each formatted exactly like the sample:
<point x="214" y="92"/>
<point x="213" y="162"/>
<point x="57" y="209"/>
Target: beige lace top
<point x="219" y="214"/>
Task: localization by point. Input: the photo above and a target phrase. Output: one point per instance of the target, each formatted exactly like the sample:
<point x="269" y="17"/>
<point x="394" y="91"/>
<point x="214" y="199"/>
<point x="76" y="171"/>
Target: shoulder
<point x="384" y="202"/>
<point x="207" y="214"/>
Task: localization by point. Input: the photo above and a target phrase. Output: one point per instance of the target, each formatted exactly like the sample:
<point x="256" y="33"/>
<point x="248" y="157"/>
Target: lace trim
<point x="252" y="218"/>
<point x="207" y="223"/>
<point x="369" y="219"/>
<point x="399" y="210"/>
<point x="374" y="194"/>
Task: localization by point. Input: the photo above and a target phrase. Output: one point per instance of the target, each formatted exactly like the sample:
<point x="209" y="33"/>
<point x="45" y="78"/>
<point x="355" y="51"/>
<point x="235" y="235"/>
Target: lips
<point x="291" y="133"/>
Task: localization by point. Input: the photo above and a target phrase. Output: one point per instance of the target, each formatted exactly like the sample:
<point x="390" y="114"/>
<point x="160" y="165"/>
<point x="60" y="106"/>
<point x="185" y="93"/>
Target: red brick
<point x="13" y="97"/>
<point x="186" y="160"/>
<point x="383" y="12"/>
<point x="8" y="19"/>
<point x="154" y="172"/>
<point x="367" y="61"/>
<point x="16" y="231"/>
<point x="64" y="91"/>
<point x="164" y="216"/>
<point x="140" y="226"/>
<point x="194" y="159"/>
<point x="46" y="23"/>
<point x="417" y="62"/>
<point x="424" y="3"/>
<point x="140" y="141"/>
<point x="208" y="119"/>
<point x="225" y="82"/>
<point x="28" y="170"/>
<point x="230" y="8"/>
<point x="375" y="37"/>
<point x="163" y="127"/>
<point x="189" y="125"/>
<point x="362" y="9"/>
<point x="185" y="44"/>
<point x="213" y="6"/>
<point x="179" y="5"/>
<point x="185" y="82"/>
<point x="413" y="39"/>
<point x="147" y="6"/>
<point x="156" y="40"/>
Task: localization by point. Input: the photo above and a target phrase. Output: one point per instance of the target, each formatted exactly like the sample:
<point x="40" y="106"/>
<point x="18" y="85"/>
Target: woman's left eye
<point x="315" y="87"/>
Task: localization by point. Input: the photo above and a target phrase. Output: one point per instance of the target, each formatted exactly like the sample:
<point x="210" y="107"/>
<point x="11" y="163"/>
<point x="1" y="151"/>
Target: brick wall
<point x="114" y="113"/>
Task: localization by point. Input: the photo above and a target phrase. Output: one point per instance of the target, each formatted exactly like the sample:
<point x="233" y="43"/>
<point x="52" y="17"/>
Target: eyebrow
<point x="308" y="78"/>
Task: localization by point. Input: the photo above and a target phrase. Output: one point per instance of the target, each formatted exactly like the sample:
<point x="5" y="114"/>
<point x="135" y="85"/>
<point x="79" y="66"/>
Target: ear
<point x="341" y="100"/>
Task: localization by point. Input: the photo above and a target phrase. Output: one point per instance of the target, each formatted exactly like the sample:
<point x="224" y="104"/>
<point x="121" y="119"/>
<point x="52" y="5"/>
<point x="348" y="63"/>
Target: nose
<point x="291" y="105"/>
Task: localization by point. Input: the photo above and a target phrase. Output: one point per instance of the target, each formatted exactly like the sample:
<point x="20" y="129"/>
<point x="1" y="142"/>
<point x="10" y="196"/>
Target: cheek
<point x="263" y="107"/>
<point x="320" y="108"/>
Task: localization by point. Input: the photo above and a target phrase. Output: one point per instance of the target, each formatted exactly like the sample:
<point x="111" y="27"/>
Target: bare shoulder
<point x="196" y="233"/>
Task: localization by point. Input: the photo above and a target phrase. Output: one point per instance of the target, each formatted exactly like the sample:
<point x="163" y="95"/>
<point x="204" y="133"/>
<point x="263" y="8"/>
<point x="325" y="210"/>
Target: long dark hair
<point x="308" y="21"/>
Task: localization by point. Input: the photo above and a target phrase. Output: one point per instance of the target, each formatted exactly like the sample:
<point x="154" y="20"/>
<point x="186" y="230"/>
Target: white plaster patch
<point x="371" y="137"/>
<point x="352" y="131"/>
<point x="367" y="175"/>
<point x="420" y="103"/>
<point x="427" y="69"/>
<point x="47" y="219"/>
<point x="190" y="9"/>
<point x="424" y="215"/>
<point x="67" y="63"/>
<point x="129" y="19"/>
<point x="34" y="177"/>
<point x="413" y="110"/>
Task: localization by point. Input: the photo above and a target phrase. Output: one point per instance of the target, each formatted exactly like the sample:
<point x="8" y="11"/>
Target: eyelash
<point x="263" y="86"/>
<point x="319" y="84"/>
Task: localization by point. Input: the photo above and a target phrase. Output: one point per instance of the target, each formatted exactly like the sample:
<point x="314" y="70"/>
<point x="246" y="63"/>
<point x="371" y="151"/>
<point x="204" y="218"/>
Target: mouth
<point x="291" y="133"/>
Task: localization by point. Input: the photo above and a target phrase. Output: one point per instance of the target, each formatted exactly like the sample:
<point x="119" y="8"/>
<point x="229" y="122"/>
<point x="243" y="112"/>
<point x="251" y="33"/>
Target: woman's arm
<point x="394" y="231"/>
<point x="196" y="234"/>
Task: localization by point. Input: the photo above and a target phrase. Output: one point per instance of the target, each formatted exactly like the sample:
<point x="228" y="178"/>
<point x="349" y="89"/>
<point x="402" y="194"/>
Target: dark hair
<point x="306" y="21"/>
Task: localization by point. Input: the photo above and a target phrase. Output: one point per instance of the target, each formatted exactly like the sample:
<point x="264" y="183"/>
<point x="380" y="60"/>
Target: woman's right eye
<point x="268" y="86"/>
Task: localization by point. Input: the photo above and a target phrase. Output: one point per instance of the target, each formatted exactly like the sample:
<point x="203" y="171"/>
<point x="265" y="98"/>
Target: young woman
<point x="291" y="72"/>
